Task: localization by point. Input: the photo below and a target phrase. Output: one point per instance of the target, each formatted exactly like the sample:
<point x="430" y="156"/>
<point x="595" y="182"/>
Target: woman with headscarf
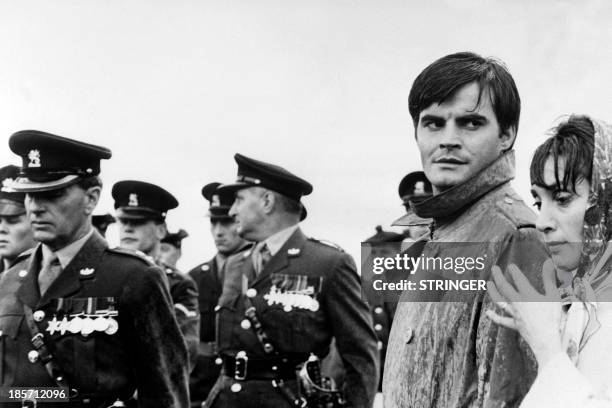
<point x="569" y="327"/>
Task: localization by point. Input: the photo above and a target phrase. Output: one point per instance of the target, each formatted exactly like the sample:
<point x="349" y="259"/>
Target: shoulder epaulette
<point x="327" y="243"/>
<point x="134" y="254"/>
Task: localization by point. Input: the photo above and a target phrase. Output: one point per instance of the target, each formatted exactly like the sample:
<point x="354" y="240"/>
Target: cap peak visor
<point x="139" y="213"/>
<point x="10" y="208"/>
<point x="25" y="185"/>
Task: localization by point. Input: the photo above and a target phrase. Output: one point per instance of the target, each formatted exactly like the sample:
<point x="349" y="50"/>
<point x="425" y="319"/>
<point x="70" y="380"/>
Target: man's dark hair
<point x="88" y="182"/>
<point x="444" y="77"/>
<point x="572" y="141"/>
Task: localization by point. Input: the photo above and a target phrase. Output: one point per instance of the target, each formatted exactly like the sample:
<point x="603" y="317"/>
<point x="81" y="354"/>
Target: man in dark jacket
<point x="95" y="323"/>
<point x="465" y="110"/>
<point x="209" y="279"/>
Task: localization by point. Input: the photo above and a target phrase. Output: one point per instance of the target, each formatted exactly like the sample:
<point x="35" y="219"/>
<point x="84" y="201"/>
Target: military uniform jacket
<point x="307" y="293"/>
<point x="184" y="294"/>
<point x="146" y="353"/>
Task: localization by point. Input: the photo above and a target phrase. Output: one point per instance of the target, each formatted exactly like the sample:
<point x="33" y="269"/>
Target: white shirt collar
<point x="67" y="253"/>
<point x="276" y="241"/>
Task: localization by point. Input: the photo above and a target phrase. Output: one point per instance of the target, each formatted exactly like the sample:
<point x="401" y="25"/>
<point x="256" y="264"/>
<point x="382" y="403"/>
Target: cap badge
<point x="86" y="271"/>
<point x="215" y="201"/>
<point x="34" y="157"/>
<point x="293" y="251"/>
<point x="133" y="200"/>
<point x="419" y="187"/>
<point x="7" y="185"/>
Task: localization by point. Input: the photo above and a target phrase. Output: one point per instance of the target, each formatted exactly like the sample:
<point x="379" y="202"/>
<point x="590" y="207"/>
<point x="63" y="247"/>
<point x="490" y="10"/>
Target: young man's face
<point x="59" y="216"/>
<point x="141" y="234"/>
<point x="225" y="234"/>
<point x="458" y="138"/>
<point x="169" y="254"/>
<point x="15" y="235"/>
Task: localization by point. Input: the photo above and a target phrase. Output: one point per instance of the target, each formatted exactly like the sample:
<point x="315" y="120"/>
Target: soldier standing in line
<point x="284" y="300"/>
<point x="96" y="322"/>
<point x="141" y="211"/>
<point x="170" y="248"/>
<point x="15" y="233"/>
<point x="413" y="187"/>
<point x="209" y="279"/>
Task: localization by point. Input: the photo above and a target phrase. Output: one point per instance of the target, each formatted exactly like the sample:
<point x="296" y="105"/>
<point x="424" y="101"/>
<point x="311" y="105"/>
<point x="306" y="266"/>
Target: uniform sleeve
<point x="352" y="327"/>
<point x="159" y="354"/>
<point x="187" y="313"/>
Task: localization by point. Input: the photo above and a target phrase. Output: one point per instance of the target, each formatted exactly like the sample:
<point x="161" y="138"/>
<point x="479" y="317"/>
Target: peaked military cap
<point x="51" y="162"/>
<point x="139" y="200"/>
<point x="175" y="238"/>
<point x="414" y="185"/>
<point x="256" y="173"/>
<point x="220" y="200"/>
<point x="11" y="202"/>
<point x="102" y="221"/>
<point x="384" y="236"/>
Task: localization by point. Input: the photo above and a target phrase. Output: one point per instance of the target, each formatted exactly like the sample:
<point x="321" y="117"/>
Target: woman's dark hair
<point x="573" y="142"/>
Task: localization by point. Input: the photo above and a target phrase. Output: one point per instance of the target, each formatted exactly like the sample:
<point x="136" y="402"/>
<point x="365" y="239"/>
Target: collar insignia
<point x="293" y="251"/>
<point x="86" y="271"/>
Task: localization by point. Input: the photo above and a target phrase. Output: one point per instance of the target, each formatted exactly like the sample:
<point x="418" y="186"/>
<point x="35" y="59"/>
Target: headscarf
<point x="594" y="274"/>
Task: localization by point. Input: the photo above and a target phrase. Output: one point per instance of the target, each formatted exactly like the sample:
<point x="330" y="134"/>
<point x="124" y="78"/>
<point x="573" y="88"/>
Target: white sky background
<point x="175" y="88"/>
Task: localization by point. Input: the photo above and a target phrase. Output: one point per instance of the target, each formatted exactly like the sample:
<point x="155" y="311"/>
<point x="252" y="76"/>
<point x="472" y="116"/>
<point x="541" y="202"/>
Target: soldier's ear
<point x="92" y="196"/>
<point x="161" y="230"/>
<point x="268" y="201"/>
<point x="507" y="138"/>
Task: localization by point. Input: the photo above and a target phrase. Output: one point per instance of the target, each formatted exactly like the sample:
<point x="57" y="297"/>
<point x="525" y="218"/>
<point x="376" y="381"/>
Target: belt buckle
<point x="28" y="403"/>
<point x="240" y="366"/>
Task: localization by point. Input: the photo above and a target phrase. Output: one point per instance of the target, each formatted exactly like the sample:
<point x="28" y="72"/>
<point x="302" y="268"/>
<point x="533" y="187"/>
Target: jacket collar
<point x="453" y="200"/>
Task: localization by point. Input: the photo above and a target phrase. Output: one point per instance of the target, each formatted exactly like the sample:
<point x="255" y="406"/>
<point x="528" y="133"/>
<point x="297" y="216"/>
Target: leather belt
<point x="248" y="368"/>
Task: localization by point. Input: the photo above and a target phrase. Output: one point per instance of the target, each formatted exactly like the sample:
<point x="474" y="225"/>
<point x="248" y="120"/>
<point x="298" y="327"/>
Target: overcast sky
<point x="175" y="88"/>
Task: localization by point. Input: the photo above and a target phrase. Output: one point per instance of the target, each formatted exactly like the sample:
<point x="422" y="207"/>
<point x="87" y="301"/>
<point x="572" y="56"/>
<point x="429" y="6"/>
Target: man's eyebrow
<point x="429" y="116"/>
<point x="472" y="116"/>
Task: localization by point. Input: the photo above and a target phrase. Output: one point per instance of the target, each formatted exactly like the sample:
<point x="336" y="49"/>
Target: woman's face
<point x="561" y="216"/>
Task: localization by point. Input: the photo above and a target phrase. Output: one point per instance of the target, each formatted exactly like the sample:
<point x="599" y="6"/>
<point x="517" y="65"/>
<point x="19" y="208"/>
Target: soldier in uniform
<point x="101" y="222"/>
<point x="15" y="233"/>
<point x="209" y="278"/>
<point x="74" y="314"/>
<point x="141" y="211"/>
<point x="170" y="248"/>
<point x="414" y="186"/>
<point x="285" y="299"/>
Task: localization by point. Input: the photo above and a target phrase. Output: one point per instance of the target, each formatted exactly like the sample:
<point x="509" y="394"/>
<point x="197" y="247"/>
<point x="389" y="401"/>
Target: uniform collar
<point x="276" y="241"/>
<point x="67" y="253"/>
<point x="462" y="195"/>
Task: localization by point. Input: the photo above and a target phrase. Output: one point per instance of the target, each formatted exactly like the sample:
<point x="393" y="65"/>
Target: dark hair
<point x="444" y="77"/>
<point x="88" y="182"/>
<point x="572" y="141"/>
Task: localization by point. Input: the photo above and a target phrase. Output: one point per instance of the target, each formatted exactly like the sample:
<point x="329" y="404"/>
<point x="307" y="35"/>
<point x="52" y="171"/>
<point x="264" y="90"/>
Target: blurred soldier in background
<point x="101" y="222"/>
<point x="15" y="234"/>
<point x="170" y="249"/>
<point x="141" y="211"/>
<point x="209" y="279"/>
<point x="284" y="300"/>
<point x="74" y="314"/>
<point x="414" y="186"/>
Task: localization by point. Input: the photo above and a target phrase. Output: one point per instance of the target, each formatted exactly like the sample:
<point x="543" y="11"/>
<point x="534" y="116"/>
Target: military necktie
<point x="49" y="272"/>
<point x="261" y="256"/>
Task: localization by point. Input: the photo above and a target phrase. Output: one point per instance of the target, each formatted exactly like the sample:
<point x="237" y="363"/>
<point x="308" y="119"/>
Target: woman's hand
<point x="535" y="316"/>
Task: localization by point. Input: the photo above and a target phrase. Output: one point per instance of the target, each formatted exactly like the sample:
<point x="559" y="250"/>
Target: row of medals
<point x="289" y="300"/>
<point x="85" y="324"/>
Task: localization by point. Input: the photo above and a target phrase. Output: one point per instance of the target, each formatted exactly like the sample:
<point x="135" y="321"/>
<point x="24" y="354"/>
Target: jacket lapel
<point x="281" y="260"/>
<point x="69" y="280"/>
<point x="29" y="292"/>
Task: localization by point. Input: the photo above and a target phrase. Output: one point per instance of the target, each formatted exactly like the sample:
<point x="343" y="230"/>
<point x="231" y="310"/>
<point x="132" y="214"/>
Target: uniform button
<point x="380" y="345"/>
<point x="218" y="361"/>
<point x="378" y="327"/>
<point x="39" y="315"/>
<point x="378" y="310"/>
<point x="23" y="273"/>
<point x="251" y="293"/>
<point x="205" y="267"/>
<point x="33" y="356"/>
<point x="236" y="387"/>
<point x="409" y="335"/>
<point x="217" y="308"/>
<point x="0" y="333"/>
<point x="245" y="324"/>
